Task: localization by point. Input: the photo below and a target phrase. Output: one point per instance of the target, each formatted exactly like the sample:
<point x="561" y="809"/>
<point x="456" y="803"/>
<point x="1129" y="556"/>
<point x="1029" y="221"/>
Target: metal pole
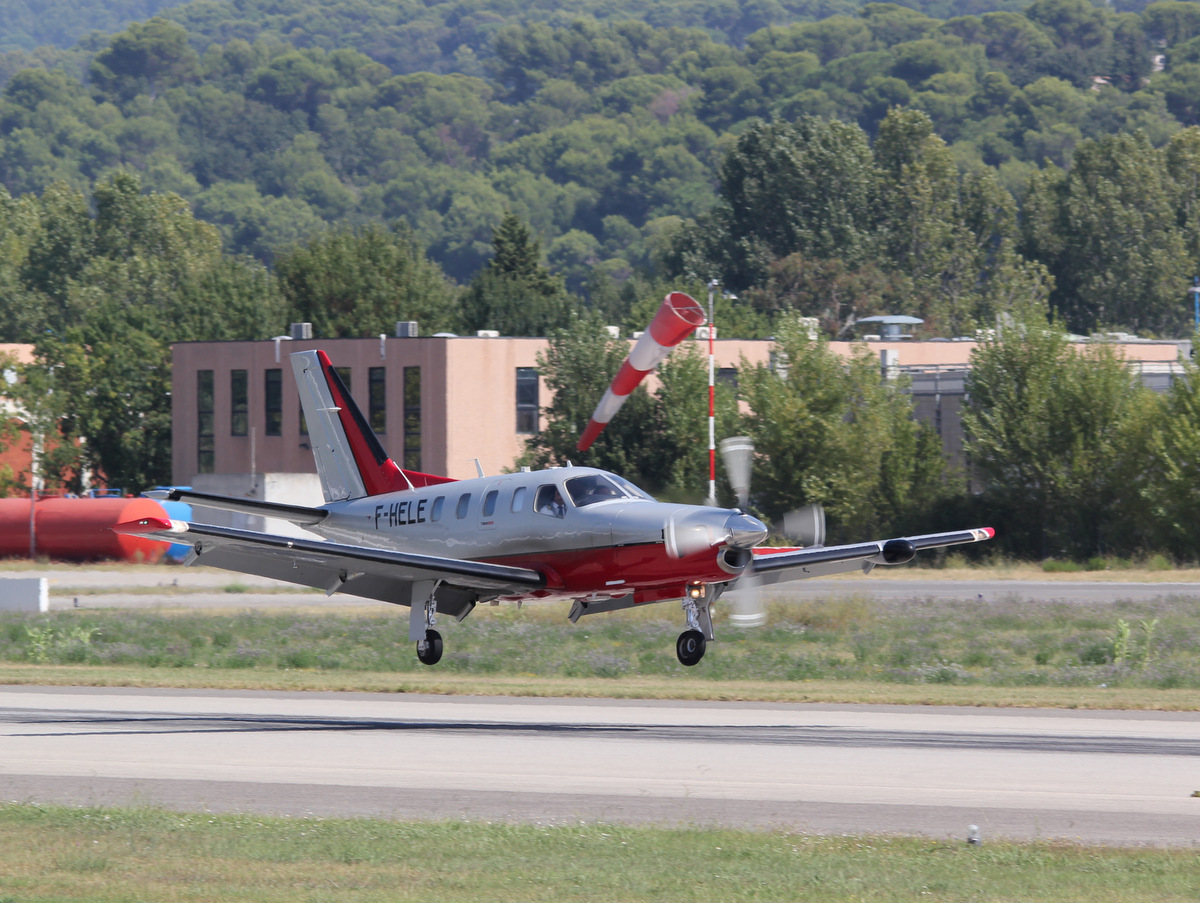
<point x="712" y="400"/>
<point x="32" y="519"/>
<point x="1195" y="290"/>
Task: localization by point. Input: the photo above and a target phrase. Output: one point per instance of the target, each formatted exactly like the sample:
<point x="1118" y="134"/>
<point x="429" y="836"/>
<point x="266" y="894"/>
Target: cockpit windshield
<point x="631" y="490"/>
<point x="593" y="488"/>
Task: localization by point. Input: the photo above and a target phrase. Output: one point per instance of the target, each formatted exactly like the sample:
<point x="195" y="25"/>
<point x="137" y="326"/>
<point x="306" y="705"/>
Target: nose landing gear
<point x="690" y="647"/>
<point x="693" y="642"/>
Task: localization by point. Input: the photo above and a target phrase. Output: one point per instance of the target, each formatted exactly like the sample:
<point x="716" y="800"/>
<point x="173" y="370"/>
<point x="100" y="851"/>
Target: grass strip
<point x="150" y="855"/>
<point x="854" y="648"/>
<point x="432" y="682"/>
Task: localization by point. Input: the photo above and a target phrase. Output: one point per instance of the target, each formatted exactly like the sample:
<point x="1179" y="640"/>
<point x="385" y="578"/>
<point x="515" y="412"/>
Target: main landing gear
<point x="429" y="650"/>
<point x="692" y="642"/>
<point x="422" y="617"/>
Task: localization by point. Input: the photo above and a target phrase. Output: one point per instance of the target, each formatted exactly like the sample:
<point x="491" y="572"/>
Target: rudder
<point x="351" y="462"/>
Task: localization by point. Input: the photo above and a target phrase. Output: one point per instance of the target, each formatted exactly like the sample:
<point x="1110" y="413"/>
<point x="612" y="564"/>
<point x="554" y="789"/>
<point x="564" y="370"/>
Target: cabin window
<point x="549" y="501"/>
<point x="435" y="514"/>
<point x="464" y="502"/>
<point x="518" y="499"/>
<point x="239" y="403"/>
<point x="489" y="503"/>
<point x="273" y="404"/>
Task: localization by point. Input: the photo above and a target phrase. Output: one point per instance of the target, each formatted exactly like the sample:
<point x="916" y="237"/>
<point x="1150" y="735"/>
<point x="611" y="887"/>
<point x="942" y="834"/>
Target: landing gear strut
<point x="692" y="642"/>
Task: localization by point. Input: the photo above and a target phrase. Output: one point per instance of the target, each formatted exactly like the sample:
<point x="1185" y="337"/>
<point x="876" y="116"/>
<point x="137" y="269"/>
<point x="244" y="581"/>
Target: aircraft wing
<point x="777" y="565"/>
<point x="380" y="574"/>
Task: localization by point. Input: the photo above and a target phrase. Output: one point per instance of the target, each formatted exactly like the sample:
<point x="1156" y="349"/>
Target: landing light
<point x="696" y="590"/>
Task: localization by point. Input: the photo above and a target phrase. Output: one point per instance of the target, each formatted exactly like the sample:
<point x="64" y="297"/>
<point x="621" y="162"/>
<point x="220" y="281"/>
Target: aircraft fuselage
<point x="591" y="533"/>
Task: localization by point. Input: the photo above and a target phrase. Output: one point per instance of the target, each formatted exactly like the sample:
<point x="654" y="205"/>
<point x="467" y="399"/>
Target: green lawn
<point x="56" y="854"/>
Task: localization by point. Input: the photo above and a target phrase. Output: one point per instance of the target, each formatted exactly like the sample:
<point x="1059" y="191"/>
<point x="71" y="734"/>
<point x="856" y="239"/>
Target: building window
<point x="206" y="442"/>
<point x="239" y="403"/>
<point x="377" y="399"/>
<point x="412" y="418"/>
<point x="274" y="402"/>
<point x="527" y="400"/>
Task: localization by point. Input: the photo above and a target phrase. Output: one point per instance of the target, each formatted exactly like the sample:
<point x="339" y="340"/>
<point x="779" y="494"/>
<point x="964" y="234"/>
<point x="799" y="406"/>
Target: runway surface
<point x="1096" y="777"/>
<point x="210" y="588"/>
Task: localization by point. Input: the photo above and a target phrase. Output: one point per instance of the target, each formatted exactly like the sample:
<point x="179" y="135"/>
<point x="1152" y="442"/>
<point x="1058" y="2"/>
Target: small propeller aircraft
<point x="442" y="546"/>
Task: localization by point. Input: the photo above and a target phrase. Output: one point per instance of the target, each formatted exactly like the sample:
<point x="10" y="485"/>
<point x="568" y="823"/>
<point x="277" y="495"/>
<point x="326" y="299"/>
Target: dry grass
<point x="437" y="683"/>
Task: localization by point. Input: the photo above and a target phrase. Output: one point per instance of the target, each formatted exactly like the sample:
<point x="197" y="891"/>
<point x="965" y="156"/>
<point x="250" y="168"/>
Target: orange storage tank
<point x="79" y="529"/>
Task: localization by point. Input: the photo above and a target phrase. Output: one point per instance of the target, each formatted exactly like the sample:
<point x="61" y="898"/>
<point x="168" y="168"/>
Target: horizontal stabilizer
<point x="296" y="514"/>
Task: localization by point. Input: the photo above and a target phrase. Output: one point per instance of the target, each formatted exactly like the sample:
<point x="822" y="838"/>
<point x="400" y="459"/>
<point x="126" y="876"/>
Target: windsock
<point x="675" y="321"/>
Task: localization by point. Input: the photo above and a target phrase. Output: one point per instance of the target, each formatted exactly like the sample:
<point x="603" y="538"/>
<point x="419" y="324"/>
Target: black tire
<point x="432" y="653"/>
<point x="690" y="647"/>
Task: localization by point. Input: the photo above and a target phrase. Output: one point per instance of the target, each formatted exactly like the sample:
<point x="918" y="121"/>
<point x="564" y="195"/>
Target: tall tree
<point x="1053" y="431"/>
<point x="358" y="282"/>
<point x="516" y="295"/>
<point x="832" y="431"/>
<point x="1171" y="481"/>
<point x="1108" y="231"/>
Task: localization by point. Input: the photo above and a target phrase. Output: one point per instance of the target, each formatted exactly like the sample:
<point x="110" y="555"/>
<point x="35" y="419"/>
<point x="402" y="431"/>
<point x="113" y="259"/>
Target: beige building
<point x="442" y="403"/>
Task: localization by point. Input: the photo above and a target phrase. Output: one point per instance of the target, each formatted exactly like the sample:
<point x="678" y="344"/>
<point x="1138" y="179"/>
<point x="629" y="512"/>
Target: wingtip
<point x="150" y="525"/>
<point x="986" y="533"/>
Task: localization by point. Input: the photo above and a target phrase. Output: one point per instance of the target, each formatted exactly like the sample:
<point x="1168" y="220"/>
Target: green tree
<point x="358" y="282"/>
<point x="1108" y="232"/>
<point x="832" y="431"/>
<point x="1054" y="432"/>
<point x="1171" y="484"/>
<point x="785" y="188"/>
<point x="516" y="294"/>
<point x="144" y="59"/>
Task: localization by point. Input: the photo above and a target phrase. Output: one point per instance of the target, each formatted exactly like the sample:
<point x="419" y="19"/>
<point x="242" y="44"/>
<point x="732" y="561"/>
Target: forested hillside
<point x="606" y="137"/>
<point x="229" y="167"/>
<point x="28" y="24"/>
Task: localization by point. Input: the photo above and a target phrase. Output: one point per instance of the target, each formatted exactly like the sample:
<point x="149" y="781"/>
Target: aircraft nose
<point x="745" y="532"/>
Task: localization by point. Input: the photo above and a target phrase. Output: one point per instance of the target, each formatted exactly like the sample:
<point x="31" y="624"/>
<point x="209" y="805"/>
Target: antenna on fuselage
<point x="478" y="468"/>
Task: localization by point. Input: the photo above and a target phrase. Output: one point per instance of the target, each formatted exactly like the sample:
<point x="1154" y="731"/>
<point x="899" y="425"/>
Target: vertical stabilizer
<point x="350" y="461"/>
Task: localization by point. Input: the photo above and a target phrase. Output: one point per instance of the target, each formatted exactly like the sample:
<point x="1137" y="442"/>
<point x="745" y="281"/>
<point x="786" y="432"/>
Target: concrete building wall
<point x="19" y="458"/>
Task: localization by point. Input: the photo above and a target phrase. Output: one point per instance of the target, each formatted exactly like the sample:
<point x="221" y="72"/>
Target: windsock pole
<point x="676" y="319"/>
<point x="712" y="402"/>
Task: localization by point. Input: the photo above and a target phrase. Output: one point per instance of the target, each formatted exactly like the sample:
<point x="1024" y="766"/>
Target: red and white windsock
<point x="675" y="321"/>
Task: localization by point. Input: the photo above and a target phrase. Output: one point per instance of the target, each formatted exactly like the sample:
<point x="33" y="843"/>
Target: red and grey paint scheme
<point x="442" y="546"/>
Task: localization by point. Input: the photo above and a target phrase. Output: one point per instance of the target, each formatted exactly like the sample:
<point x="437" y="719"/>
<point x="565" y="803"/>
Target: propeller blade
<point x="738" y="454"/>
<point x="806" y="526"/>
<point x="747" y="607"/>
